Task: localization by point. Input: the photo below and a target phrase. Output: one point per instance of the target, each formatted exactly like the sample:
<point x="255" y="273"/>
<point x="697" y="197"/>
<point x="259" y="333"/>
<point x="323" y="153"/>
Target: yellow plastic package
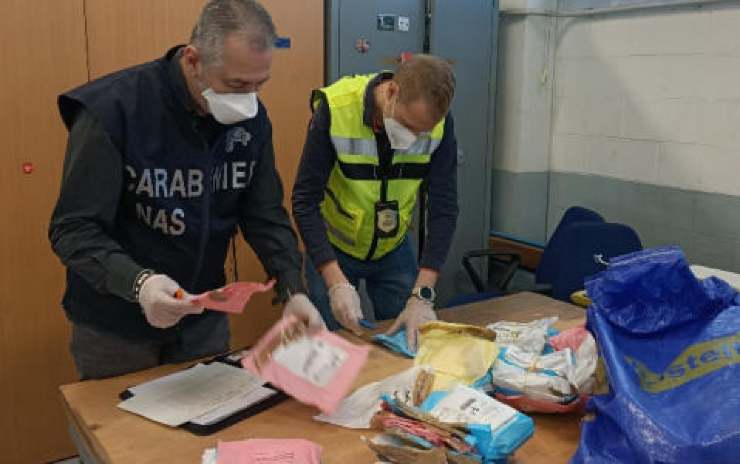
<point x="459" y="353"/>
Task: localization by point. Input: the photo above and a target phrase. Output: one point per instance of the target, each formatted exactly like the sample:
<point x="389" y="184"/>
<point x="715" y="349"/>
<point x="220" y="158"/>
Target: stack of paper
<point x="203" y="394"/>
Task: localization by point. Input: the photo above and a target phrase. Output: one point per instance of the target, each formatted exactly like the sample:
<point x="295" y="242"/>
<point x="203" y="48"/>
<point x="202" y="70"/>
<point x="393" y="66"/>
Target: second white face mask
<point x="230" y="108"/>
<point x="398" y="135"/>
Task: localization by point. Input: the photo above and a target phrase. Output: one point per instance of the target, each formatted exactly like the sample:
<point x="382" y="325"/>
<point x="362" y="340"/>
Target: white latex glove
<point x="161" y="308"/>
<point x="345" y="305"/>
<point x="416" y="313"/>
<point x="301" y="307"/>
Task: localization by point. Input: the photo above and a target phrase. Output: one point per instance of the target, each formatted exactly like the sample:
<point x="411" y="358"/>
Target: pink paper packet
<point x="570" y="338"/>
<point x="265" y="450"/>
<point x="232" y="298"/>
<point x="317" y="369"/>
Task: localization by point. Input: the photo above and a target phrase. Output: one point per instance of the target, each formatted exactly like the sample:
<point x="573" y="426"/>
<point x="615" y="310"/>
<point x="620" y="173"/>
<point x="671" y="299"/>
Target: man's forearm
<point x="332" y="274"/>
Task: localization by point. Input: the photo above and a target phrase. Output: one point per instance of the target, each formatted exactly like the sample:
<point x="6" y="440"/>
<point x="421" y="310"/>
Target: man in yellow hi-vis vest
<point x="372" y="141"/>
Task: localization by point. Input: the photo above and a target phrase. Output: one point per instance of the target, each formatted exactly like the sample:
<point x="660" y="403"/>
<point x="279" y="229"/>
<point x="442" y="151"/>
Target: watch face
<point x="426" y="292"/>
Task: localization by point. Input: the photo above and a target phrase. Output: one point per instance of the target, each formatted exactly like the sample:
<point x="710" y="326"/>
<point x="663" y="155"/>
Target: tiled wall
<point x="523" y="121"/>
<point x="651" y="97"/>
<point x="645" y="127"/>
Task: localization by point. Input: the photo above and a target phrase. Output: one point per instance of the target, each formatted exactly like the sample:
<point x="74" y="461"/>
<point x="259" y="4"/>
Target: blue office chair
<point x="586" y="249"/>
<point x="503" y="265"/>
<point x="548" y="268"/>
<point x="566" y="260"/>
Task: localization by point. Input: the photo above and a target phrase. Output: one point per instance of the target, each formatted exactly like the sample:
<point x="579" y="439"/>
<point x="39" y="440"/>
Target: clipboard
<point x="203" y="430"/>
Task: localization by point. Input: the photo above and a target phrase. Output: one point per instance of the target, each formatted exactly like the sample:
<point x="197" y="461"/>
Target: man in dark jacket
<point x="164" y="161"/>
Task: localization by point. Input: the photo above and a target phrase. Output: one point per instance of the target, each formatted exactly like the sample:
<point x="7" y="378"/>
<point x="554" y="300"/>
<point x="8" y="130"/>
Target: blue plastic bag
<point x="671" y="346"/>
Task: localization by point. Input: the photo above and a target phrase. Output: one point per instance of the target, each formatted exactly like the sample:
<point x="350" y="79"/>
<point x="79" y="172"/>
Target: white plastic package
<point x="527" y="336"/>
<point x="557" y="377"/>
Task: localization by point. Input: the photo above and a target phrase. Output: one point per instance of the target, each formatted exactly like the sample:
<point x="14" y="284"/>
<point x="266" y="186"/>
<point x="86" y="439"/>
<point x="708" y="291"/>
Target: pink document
<point x="268" y="451"/>
<point x="317" y="369"/>
<point x="570" y="338"/>
<point x="232" y="298"/>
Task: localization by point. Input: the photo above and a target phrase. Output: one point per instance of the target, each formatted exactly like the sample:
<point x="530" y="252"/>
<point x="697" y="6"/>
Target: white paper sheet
<point x="312" y="359"/>
<point x="178" y="398"/>
<point x="236" y="404"/>
<point x="358" y="409"/>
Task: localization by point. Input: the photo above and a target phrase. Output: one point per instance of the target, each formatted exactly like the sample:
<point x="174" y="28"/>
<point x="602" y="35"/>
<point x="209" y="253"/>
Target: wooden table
<point x="111" y="435"/>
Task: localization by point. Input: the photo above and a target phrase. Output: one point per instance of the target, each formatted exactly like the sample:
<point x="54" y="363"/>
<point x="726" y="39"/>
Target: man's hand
<point x="345" y="305"/>
<point x="414" y="315"/>
<point x="301" y="307"/>
<point x="162" y="308"/>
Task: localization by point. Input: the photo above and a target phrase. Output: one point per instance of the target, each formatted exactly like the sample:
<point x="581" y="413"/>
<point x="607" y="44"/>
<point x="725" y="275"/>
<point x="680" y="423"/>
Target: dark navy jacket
<point x="183" y="194"/>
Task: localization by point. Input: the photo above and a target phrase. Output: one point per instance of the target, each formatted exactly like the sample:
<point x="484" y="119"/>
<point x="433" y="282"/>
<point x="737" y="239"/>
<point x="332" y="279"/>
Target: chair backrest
<point x="548" y="268"/>
<point x="580" y="243"/>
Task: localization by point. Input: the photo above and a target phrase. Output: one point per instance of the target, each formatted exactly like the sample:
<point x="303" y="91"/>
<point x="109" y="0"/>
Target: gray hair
<point x="221" y="18"/>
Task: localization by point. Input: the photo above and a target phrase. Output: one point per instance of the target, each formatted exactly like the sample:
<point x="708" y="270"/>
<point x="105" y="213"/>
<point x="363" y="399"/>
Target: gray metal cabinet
<point x="367" y="36"/>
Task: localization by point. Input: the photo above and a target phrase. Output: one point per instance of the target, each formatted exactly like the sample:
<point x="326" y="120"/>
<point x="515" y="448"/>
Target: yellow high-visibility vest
<point x="358" y="181"/>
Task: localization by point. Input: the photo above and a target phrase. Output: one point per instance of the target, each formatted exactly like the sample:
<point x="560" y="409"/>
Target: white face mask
<point x="398" y="135"/>
<point x="230" y="108"/>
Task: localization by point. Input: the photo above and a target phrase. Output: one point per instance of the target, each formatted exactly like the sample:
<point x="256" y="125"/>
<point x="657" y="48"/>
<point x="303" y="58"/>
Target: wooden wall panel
<point x="126" y="33"/>
<point x="43" y="49"/>
<point x="295" y="73"/>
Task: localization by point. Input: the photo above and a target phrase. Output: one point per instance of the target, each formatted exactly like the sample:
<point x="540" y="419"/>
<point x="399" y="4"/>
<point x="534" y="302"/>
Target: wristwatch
<point x="424" y="294"/>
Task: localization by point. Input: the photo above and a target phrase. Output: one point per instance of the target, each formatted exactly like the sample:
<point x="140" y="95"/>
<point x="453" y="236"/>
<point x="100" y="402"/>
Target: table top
<point x="116" y="436"/>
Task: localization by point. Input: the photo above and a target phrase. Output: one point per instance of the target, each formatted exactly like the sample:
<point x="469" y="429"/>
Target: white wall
<point x="638" y="119"/>
<point x="524" y="95"/>
<point x="652" y="97"/>
<point x="524" y="100"/>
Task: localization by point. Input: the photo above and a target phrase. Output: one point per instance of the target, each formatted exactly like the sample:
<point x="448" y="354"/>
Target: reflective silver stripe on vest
<point x="349" y="146"/>
<point x="341" y="236"/>
<point x="422" y="146"/>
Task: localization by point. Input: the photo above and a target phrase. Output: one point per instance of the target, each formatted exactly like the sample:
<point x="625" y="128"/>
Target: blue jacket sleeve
<point x="85" y="211"/>
<point x="443" y="207"/>
<point x="316" y="164"/>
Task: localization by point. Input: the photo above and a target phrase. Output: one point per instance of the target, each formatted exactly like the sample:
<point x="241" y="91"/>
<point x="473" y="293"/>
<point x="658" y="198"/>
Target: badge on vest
<point x="386" y="218"/>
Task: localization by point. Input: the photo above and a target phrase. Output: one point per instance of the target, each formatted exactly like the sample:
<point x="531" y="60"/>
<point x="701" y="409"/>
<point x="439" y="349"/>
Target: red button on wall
<point x="405" y="56"/>
<point x="27" y="168"/>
